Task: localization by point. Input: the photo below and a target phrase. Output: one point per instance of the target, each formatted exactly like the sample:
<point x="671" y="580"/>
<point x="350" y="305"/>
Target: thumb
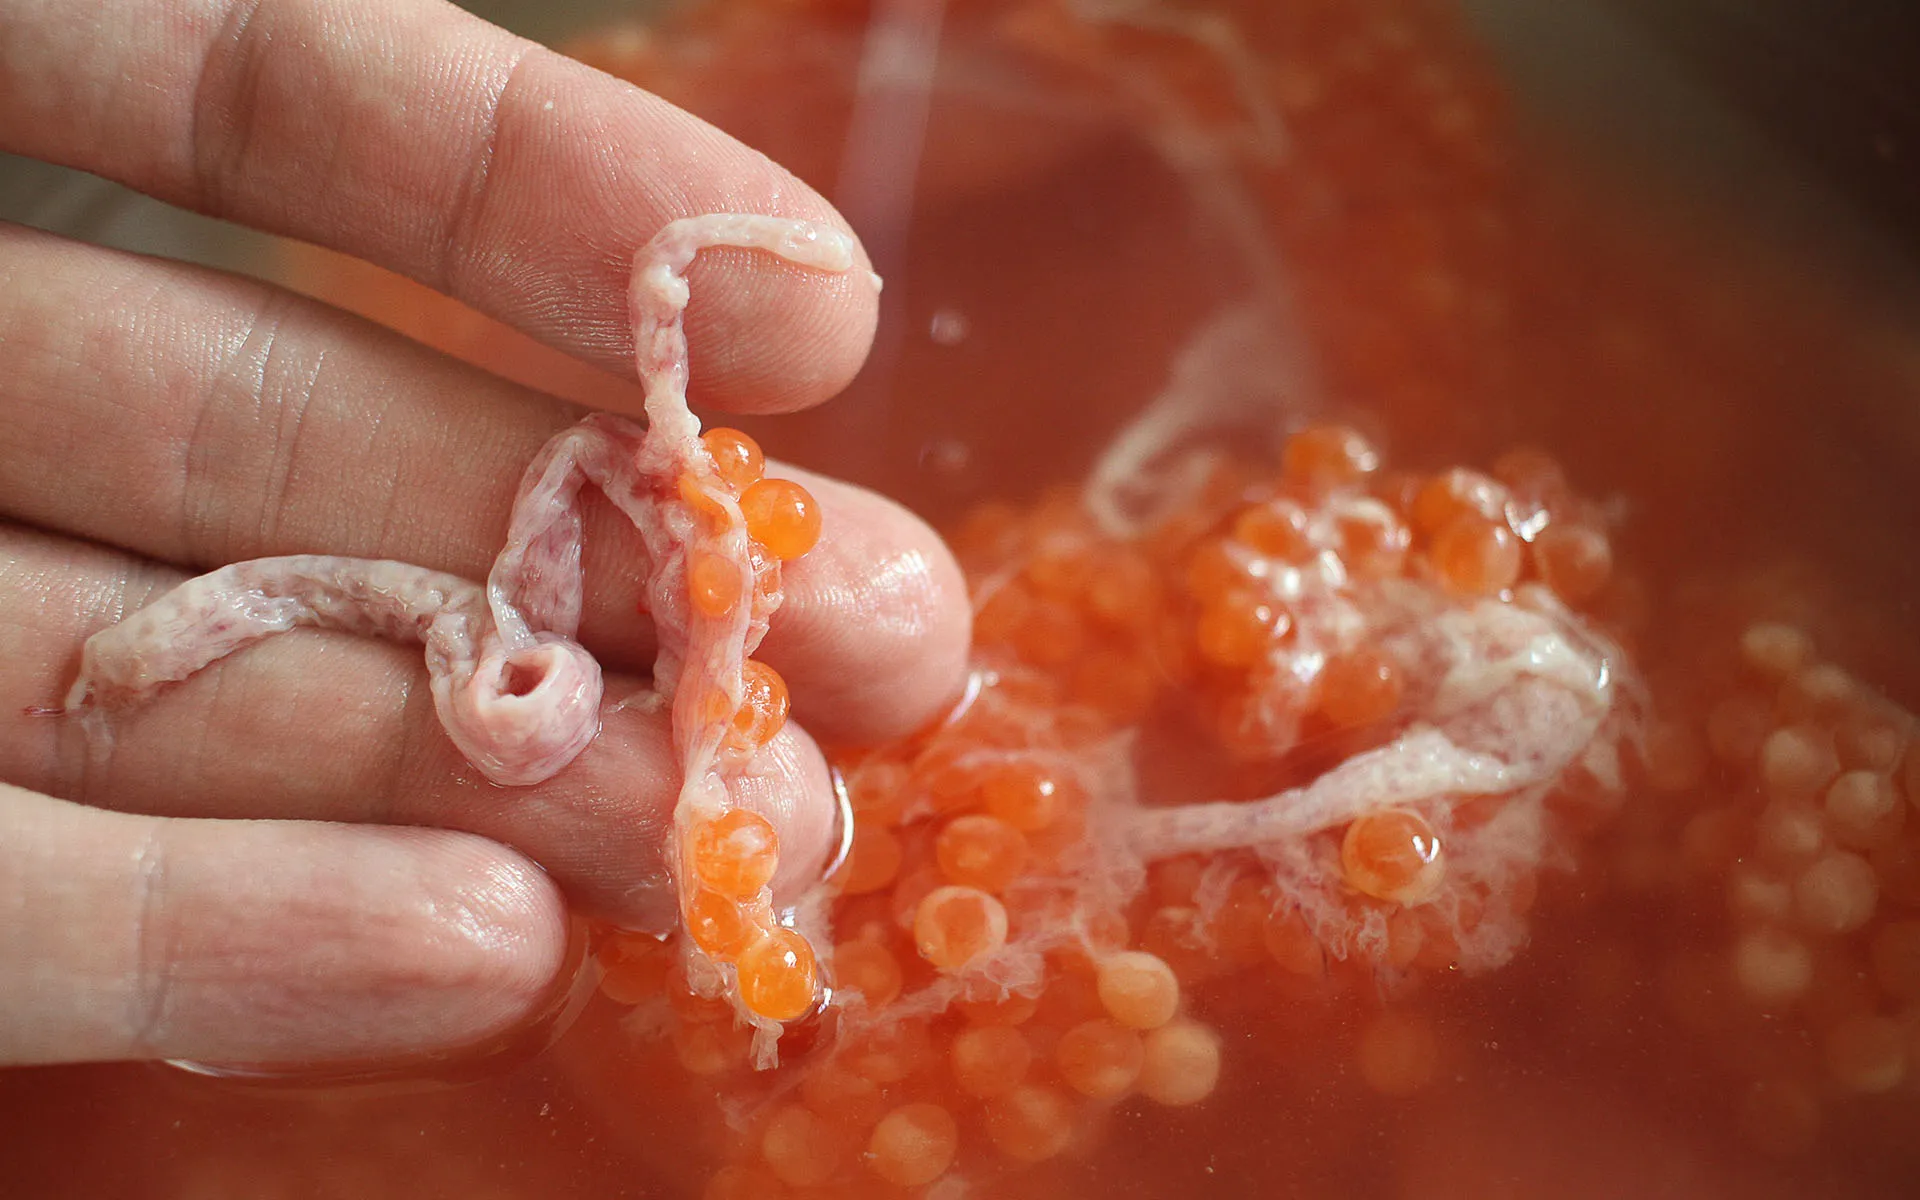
<point x="259" y="942"/>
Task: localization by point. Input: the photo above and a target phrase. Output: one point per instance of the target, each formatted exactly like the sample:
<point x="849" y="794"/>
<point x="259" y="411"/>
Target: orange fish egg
<point x="736" y="458"/>
<point x="778" y="976"/>
<point x="1031" y="1123"/>
<point x="782" y="516"/>
<point x="1473" y="556"/>
<point x="1453" y="494"/>
<point x="736" y="853"/>
<point x="718" y="925"/>
<point x="989" y="1060"/>
<point x="1137" y="989"/>
<point x="1359" y="688"/>
<point x="764" y="704"/>
<point x="714" y="583"/>
<point x="914" y="1144"/>
<point x="868" y="968"/>
<point x="1238" y="628"/>
<point x="1392" y="855"/>
<point x="980" y="851"/>
<point x="1327" y="456"/>
<point x="1026" y="795"/>
<point x="1179" y="1064"/>
<point x="1278" y="529"/>
<point x="953" y="926"/>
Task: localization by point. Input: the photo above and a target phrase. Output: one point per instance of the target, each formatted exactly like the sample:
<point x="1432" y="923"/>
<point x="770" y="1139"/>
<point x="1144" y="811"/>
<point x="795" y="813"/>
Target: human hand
<point x="301" y="867"/>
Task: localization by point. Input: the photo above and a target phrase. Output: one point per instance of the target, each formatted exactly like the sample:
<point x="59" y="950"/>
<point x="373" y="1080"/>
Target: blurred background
<point x="1819" y="98"/>
<point x="1787" y="125"/>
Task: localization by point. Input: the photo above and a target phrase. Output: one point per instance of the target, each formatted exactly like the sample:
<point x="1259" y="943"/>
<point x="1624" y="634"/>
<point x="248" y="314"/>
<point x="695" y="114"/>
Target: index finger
<point x="416" y="136"/>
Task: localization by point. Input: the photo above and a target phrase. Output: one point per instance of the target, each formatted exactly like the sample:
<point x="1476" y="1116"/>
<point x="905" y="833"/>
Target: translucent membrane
<point x="727" y="706"/>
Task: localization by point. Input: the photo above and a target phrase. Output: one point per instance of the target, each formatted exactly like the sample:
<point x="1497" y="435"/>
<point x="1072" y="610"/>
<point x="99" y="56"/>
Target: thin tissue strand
<point x="519" y="710"/>
<point x="518" y="695"/>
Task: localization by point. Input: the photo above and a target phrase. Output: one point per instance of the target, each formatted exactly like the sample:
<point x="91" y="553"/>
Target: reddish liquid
<point x="1459" y="295"/>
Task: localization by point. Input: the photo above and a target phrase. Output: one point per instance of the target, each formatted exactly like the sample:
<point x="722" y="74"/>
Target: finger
<point x="259" y="942"/>
<point x="321" y="726"/>
<point x="903" y="660"/>
<point x="423" y="139"/>
<point x="203" y="419"/>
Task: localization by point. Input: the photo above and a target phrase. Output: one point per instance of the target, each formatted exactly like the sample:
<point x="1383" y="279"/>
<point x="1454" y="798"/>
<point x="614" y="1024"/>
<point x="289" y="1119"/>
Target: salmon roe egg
<point x="1373" y="541"/>
<point x="1533" y="473"/>
<point x="1771" y="966"/>
<point x="1216" y="569"/>
<point x="1138" y="989"/>
<point x="764" y="704"/>
<point x="872" y="863"/>
<point x="1867" y="1053"/>
<point x="1574" y="560"/>
<point x="718" y="925"/>
<point x="1477" y="557"/>
<point x="891" y="1052"/>
<point x="1797" y="763"/>
<point x="1775" y="650"/>
<point x="1277" y="529"/>
<point x="777" y="976"/>
<point x="913" y="1145"/>
<point x="736" y="458"/>
<point x="1359" y="688"/>
<point x="1180" y="1064"/>
<point x="952" y="926"/>
<point x="1328" y="456"/>
<point x="980" y="851"/>
<point x="1025" y="795"/>
<point x="1453" y="494"/>
<point x="1398" y="1053"/>
<point x="693" y="490"/>
<point x="1837" y="893"/>
<point x="1058" y="569"/>
<point x="711" y="1047"/>
<point x="1788" y="831"/>
<point x="714" y="584"/>
<point x="1863" y="810"/>
<point x="1030" y="1124"/>
<point x="1121" y="589"/>
<point x="1392" y="855"/>
<point x="736" y="853"/>
<point x="1236" y="629"/>
<point x="989" y="1060"/>
<point x="782" y="516"/>
<point x="1100" y="1058"/>
<point x="868" y="968"/>
<point x="800" y="1148"/>
<point x="843" y="1095"/>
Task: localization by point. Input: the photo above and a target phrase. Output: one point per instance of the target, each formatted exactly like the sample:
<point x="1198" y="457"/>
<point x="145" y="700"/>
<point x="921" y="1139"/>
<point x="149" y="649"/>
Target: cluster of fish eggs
<point x="969" y="837"/>
<point x="731" y="858"/>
